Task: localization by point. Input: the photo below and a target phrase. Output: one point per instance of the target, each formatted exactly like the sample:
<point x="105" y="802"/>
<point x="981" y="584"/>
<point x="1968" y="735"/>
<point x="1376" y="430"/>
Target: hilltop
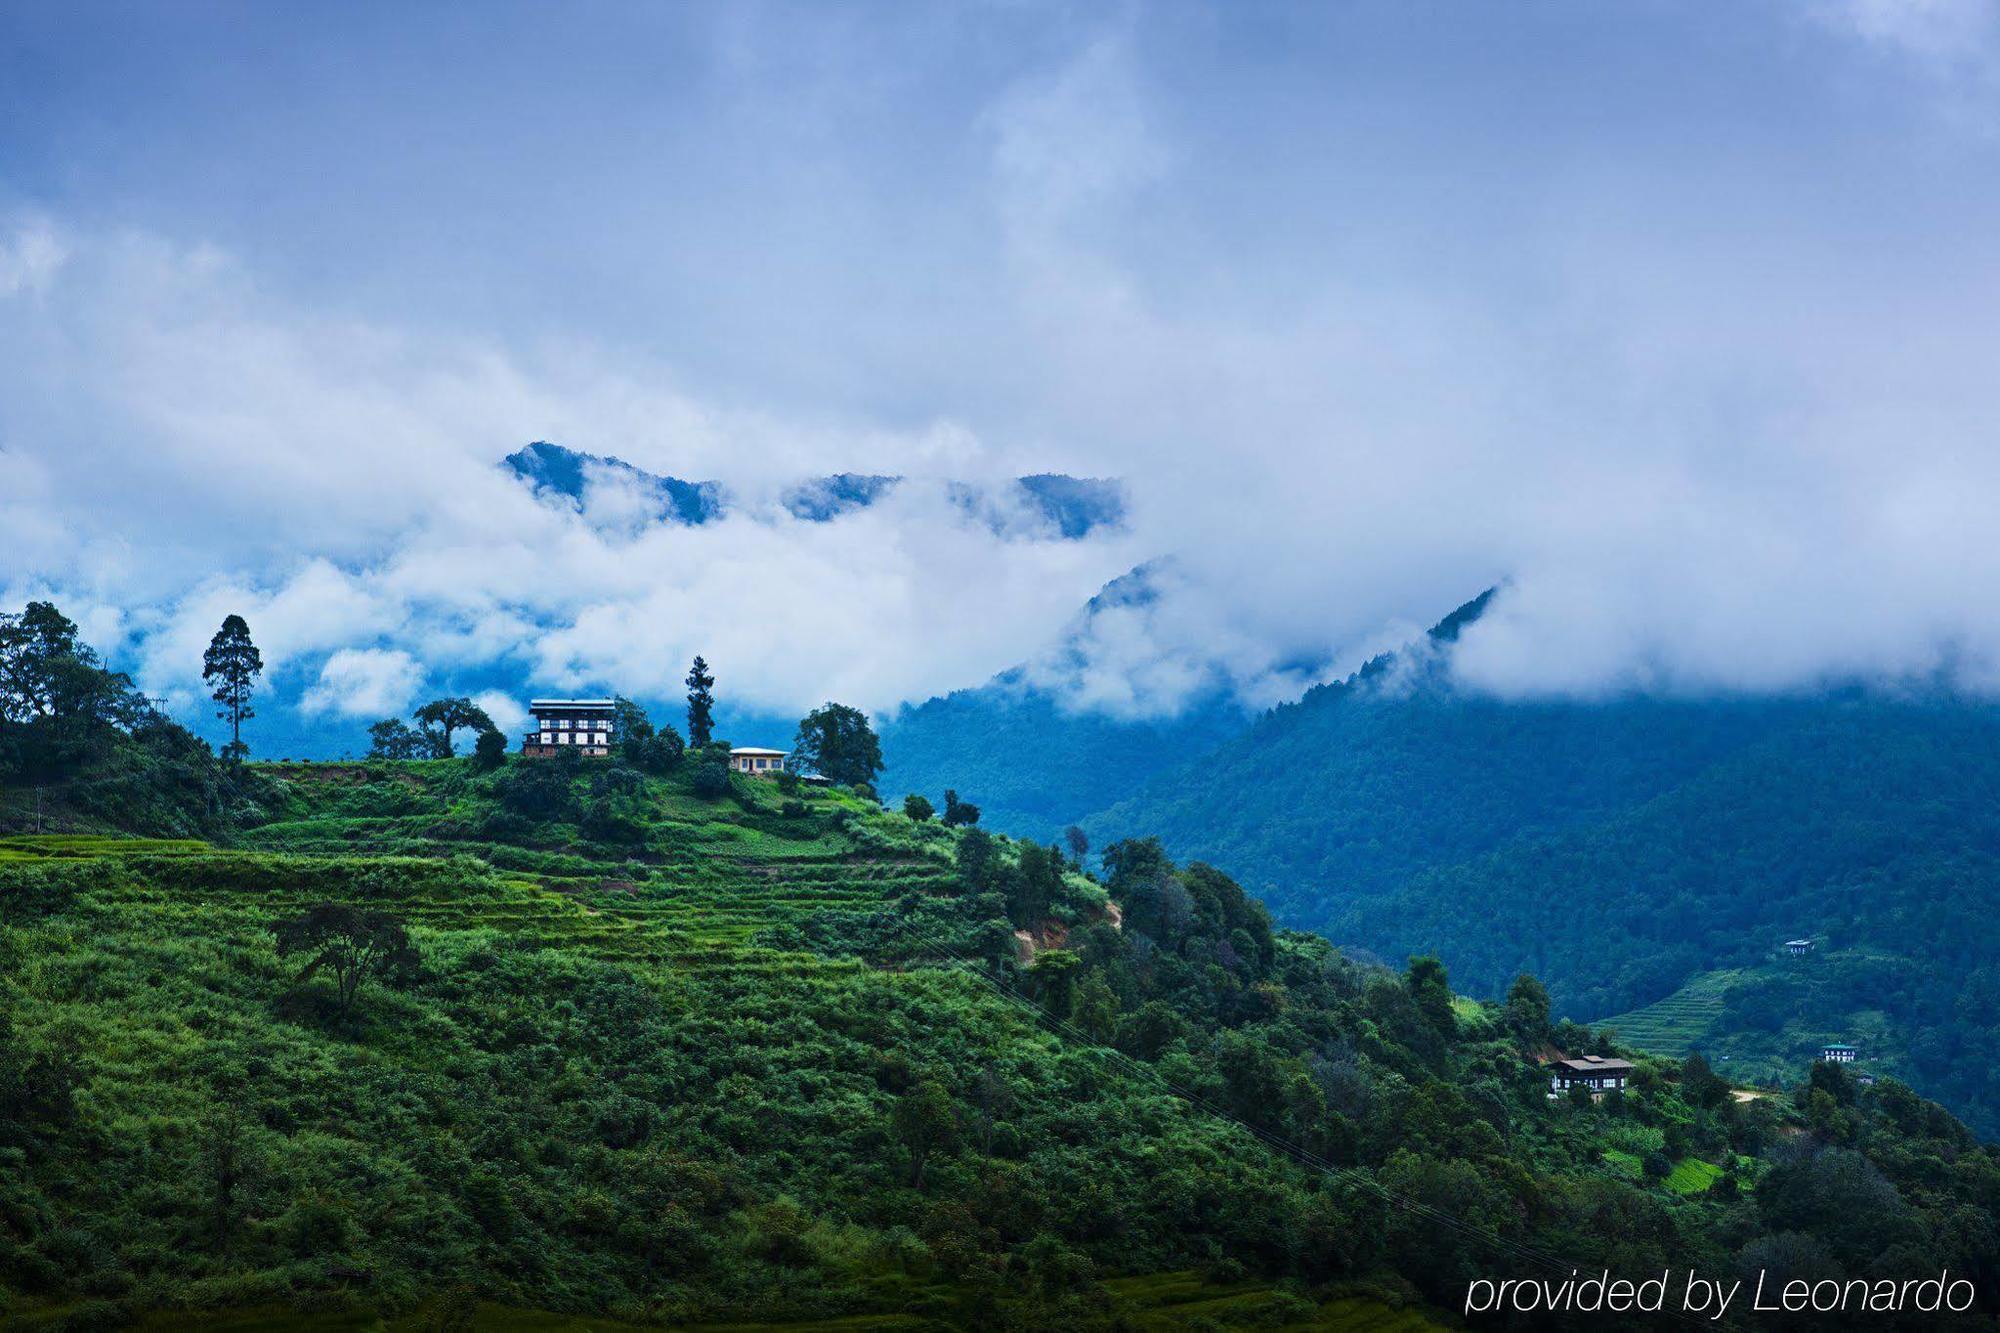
<point x="780" y="1056"/>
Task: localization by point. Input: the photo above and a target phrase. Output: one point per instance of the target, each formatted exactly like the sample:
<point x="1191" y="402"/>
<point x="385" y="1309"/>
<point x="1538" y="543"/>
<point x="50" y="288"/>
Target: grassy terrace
<point x="739" y="973"/>
<point x="1678" y="1024"/>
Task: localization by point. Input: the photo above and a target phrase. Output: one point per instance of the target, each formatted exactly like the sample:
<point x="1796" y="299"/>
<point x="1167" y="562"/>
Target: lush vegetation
<point x="81" y="748"/>
<point x="1625" y="849"/>
<point x="641" y="1039"/>
<point x="772" y="1057"/>
<point x="1035" y="767"/>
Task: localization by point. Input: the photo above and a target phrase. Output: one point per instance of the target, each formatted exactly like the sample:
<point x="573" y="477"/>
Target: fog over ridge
<point x="1701" y="378"/>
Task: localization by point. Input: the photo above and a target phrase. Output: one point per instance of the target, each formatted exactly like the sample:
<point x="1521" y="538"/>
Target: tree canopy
<point x="230" y="668"/>
<point x="838" y="743"/>
<point x="350" y="943"/>
<point x="442" y="717"/>
<point x="701" y="704"/>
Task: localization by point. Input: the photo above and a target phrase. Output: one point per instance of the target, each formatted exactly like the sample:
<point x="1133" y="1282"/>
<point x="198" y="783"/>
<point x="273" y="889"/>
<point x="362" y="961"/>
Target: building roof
<point x="1836" y="1046"/>
<point x="1793" y="944"/>
<point x="756" y="750"/>
<point x="534" y="704"/>
<point x="1595" y="1064"/>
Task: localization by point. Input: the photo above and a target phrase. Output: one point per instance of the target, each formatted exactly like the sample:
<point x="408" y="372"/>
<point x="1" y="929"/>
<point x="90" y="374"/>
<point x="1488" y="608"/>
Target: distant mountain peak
<point x="552" y="469"/>
<point x="1073" y="507"/>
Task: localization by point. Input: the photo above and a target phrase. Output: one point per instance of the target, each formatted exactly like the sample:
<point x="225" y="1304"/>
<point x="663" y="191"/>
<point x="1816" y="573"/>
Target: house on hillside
<point x="1798" y="948"/>
<point x="1838" y="1053"/>
<point x="582" y="725"/>
<point x="1599" y="1073"/>
<point x="757" y="761"/>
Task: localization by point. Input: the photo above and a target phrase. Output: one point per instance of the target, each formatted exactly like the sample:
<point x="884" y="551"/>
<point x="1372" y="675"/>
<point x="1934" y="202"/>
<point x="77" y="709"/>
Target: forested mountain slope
<point x="1028" y="753"/>
<point x="1620" y="848"/>
<point x="1032" y="767"/>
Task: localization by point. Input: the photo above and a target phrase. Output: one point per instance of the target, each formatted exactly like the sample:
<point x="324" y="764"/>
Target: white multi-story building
<point x="583" y="725"/>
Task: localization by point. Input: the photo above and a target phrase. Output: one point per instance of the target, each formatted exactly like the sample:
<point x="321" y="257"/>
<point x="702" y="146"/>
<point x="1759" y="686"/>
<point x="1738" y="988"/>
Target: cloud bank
<point x="1701" y="377"/>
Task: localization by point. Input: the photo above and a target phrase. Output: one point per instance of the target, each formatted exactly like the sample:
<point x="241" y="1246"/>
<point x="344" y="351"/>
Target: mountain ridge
<point x="1070" y="508"/>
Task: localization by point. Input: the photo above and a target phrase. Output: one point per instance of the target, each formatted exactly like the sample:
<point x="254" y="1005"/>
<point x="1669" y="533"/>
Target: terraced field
<point x="1679" y="1023"/>
<point x="768" y="954"/>
<point x="72" y="847"/>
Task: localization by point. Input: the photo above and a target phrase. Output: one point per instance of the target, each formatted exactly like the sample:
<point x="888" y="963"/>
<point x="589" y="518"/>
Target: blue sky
<point x="1678" y="316"/>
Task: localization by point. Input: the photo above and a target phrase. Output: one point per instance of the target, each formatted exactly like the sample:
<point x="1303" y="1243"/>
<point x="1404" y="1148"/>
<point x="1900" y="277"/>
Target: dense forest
<point x="1038" y="760"/>
<point x="1624" y="848"/>
<point x="456" y="1039"/>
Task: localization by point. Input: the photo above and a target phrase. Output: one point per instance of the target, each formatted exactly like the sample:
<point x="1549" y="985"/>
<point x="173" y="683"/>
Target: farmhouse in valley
<point x="583" y="725"/>
<point x="757" y="761"/>
<point x="1798" y="948"/>
<point x="1838" y="1053"/>
<point x="1599" y="1073"/>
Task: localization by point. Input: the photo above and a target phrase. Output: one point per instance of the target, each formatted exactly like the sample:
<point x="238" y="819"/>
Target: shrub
<point x="489" y="751"/>
<point x="918" y="807"/>
<point x="541" y="789"/>
<point x="658" y="753"/>
<point x="711" y="780"/>
<point x="618" y="781"/>
<point x="616" y="819"/>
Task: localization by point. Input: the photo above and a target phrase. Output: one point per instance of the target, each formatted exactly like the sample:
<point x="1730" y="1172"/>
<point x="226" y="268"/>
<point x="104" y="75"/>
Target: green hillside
<point x="646" y="1047"/>
<point x="1767" y="1024"/>
<point x="1621" y="849"/>
<point x="752" y="1064"/>
<point x="1682" y="1023"/>
<point x="661" y="1079"/>
<point x="1033" y="768"/>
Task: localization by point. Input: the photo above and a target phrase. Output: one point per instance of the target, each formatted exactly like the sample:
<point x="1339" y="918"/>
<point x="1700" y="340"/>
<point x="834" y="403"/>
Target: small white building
<point x="1838" y="1053"/>
<point x="1798" y="948"/>
<point x="757" y="761"/>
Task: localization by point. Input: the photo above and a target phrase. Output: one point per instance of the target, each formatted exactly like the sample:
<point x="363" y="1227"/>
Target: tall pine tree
<point x="701" y="703"/>
<point x="231" y="666"/>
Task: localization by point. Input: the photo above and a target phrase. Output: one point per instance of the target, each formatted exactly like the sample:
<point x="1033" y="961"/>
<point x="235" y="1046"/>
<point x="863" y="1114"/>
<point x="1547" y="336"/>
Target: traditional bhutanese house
<point x="757" y="761"/>
<point x="1599" y="1073"/>
<point x="582" y="725"/>
<point x="1798" y="948"/>
<point x="1838" y="1053"/>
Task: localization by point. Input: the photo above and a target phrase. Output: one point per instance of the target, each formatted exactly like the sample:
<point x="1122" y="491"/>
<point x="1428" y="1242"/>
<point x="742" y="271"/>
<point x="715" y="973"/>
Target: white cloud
<point x="507" y="712"/>
<point x="1718" y="407"/>
<point x="29" y="257"/>
<point x="364" y="682"/>
<point x="1952" y="45"/>
<point x="1944" y="31"/>
<point x="344" y="480"/>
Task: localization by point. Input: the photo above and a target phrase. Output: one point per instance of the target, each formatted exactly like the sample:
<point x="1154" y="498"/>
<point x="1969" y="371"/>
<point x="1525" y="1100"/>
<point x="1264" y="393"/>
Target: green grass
<point x="1625" y="1163"/>
<point x="1181" y="1300"/>
<point x="90" y="846"/>
<point x="1691" y="1175"/>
